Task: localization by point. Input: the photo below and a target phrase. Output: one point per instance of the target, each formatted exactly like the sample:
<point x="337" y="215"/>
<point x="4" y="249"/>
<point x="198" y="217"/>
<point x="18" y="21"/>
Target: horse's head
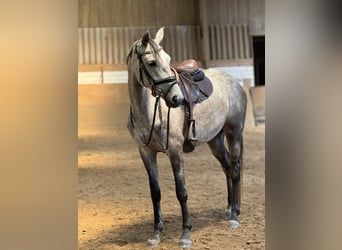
<point x="153" y="69"/>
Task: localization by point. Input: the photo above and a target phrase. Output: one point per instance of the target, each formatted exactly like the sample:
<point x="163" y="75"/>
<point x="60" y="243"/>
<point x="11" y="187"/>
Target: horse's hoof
<point x="234" y="224"/>
<point x="153" y="242"/>
<point x="185" y="243"/>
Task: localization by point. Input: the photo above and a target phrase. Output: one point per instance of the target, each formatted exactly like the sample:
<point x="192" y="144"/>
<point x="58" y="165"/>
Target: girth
<point x="196" y="87"/>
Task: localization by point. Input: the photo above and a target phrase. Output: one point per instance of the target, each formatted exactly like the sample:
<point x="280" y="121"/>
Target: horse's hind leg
<point x="150" y="161"/>
<point x="220" y="152"/>
<point x="177" y="162"/>
<point x="235" y="146"/>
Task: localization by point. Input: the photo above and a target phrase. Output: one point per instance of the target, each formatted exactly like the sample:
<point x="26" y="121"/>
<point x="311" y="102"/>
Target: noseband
<point x="156" y="91"/>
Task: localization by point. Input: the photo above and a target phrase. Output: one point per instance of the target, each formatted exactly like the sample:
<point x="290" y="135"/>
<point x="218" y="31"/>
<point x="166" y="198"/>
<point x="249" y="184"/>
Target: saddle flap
<point x="198" y="75"/>
<point x="190" y="92"/>
<point x="205" y="86"/>
<point x="196" y="87"/>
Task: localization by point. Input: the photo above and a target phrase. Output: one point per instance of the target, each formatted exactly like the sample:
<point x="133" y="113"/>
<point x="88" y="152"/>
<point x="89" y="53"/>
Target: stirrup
<point x="192" y="131"/>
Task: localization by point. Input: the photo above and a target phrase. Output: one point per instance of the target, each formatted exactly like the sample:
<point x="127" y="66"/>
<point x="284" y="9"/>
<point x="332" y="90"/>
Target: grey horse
<point x="157" y="126"/>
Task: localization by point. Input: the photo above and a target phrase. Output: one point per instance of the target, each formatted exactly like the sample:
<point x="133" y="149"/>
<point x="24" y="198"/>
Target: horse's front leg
<point x="150" y="161"/>
<point x="177" y="162"/>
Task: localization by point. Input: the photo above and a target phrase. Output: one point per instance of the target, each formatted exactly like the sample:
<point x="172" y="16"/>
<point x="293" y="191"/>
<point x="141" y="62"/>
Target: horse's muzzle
<point x="168" y="88"/>
<point x="175" y="101"/>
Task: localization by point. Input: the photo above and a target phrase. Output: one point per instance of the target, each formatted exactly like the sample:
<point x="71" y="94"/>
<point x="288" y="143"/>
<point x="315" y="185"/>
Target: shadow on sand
<point x="123" y="235"/>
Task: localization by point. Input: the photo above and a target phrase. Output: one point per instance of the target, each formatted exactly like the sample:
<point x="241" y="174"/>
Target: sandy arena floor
<point x="114" y="205"/>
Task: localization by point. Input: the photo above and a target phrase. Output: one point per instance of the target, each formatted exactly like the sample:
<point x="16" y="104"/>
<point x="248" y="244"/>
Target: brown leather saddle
<point x="196" y="88"/>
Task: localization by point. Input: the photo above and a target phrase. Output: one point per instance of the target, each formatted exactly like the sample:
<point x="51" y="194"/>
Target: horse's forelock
<point x="154" y="45"/>
<point x="156" y="48"/>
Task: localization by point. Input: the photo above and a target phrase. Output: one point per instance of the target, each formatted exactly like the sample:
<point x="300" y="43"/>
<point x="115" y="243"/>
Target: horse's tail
<point x="241" y="172"/>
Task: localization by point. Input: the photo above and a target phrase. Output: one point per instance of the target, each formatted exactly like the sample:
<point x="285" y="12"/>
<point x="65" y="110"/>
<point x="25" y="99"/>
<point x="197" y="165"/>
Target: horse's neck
<point x="141" y="101"/>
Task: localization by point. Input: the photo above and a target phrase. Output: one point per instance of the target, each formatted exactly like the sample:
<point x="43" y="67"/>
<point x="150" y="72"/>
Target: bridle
<point x="157" y="92"/>
<point x="154" y="84"/>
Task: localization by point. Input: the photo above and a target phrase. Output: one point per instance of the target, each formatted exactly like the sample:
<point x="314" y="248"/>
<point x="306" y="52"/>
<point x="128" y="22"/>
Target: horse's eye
<point x="152" y="63"/>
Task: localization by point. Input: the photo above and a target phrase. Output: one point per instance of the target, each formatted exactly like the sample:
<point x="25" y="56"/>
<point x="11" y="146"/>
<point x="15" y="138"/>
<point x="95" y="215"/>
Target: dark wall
<point x="125" y="13"/>
<point x="130" y="13"/>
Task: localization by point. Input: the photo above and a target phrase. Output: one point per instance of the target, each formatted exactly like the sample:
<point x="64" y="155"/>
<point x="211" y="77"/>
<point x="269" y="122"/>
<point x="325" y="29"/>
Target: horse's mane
<point x="131" y="51"/>
<point x="155" y="47"/>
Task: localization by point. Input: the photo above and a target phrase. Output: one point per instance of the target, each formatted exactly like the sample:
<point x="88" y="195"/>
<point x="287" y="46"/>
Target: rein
<point x="157" y="93"/>
<point x="153" y="123"/>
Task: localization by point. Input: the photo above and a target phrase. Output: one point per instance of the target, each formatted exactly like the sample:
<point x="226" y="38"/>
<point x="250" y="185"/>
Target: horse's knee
<point x="182" y="195"/>
<point x="155" y="190"/>
<point x="235" y="176"/>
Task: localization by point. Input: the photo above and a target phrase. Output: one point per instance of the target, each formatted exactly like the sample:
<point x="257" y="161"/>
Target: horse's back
<point x="229" y="88"/>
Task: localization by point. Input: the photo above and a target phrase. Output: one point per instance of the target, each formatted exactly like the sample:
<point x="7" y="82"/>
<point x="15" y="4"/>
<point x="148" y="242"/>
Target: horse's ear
<point x="159" y="35"/>
<point x="145" y="38"/>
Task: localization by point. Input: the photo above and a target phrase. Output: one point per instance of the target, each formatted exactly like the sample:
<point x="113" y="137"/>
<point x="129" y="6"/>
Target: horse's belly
<point x="209" y="120"/>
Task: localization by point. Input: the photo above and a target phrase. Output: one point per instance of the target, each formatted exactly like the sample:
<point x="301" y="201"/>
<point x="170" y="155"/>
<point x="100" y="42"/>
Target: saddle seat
<point x="196" y="87"/>
<point x="188" y="66"/>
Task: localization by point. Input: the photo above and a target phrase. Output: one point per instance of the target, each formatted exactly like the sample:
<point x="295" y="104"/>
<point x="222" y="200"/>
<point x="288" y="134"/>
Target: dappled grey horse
<point x="157" y="126"/>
